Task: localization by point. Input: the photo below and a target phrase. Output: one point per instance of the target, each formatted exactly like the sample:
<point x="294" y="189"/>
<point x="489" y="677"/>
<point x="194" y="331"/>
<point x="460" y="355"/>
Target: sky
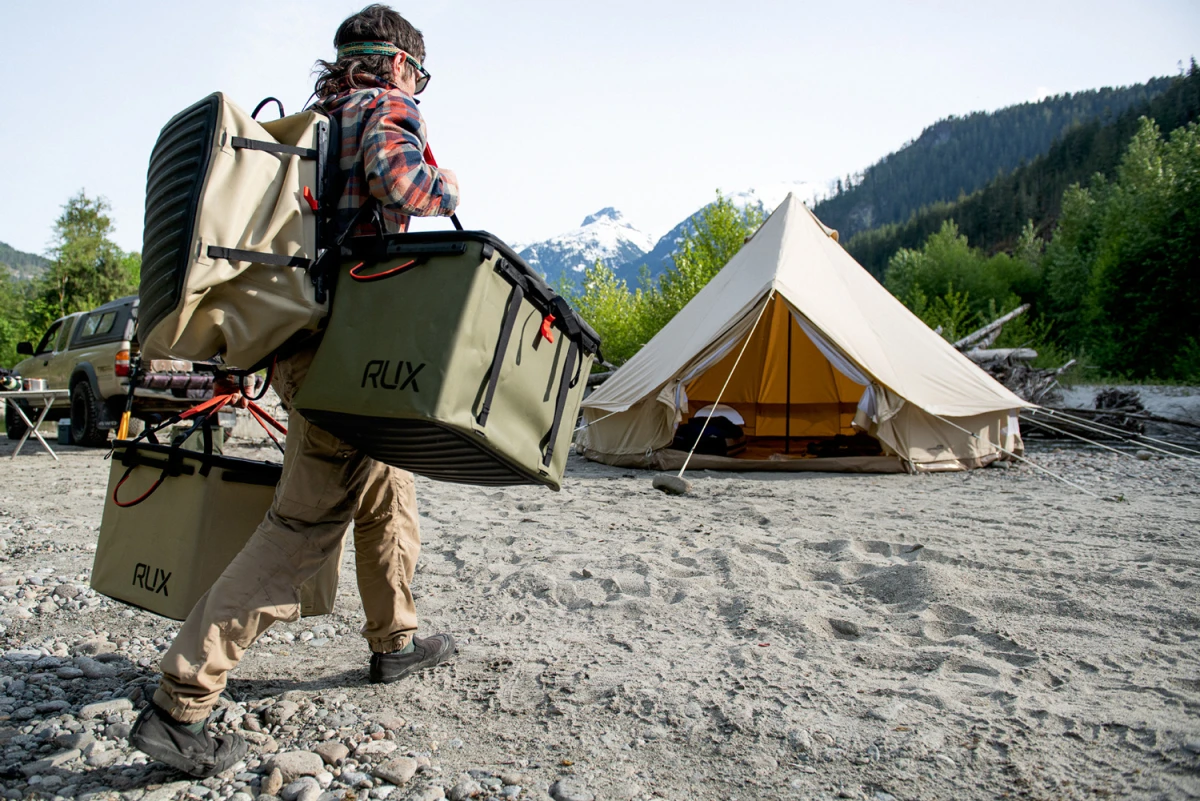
<point x="551" y="110"/>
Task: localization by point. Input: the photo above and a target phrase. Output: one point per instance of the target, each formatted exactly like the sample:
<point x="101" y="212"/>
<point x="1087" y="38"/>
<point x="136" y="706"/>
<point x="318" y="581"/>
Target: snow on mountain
<point x="604" y="235"/>
<point x="658" y="259"/>
<point x="771" y="195"/>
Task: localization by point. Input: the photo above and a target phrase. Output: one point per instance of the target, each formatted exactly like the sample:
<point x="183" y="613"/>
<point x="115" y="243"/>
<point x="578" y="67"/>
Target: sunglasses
<point x="423" y="74"/>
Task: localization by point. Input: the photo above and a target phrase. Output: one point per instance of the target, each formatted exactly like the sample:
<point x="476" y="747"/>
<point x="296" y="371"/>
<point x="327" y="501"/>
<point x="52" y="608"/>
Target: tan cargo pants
<point x="326" y="484"/>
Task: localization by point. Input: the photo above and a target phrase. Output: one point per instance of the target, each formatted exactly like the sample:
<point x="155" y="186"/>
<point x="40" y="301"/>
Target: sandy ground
<point x="980" y="635"/>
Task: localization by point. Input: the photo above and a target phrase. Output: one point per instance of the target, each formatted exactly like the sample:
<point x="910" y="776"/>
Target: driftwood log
<point x="982" y="356"/>
<point x="990" y="331"/>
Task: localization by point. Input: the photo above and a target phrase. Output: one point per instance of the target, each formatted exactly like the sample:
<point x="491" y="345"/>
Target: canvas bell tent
<point x="822" y="366"/>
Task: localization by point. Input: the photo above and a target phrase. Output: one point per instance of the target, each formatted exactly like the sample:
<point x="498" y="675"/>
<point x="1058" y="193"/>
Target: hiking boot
<point x="167" y="740"/>
<point x="426" y="653"/>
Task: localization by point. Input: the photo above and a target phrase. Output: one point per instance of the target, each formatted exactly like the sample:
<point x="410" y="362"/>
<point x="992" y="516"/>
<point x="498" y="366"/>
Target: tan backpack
<point x="238" y="212"/>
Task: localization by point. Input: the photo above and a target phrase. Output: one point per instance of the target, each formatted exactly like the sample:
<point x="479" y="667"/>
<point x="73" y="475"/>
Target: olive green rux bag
<point x="177" y="514"/>
<point x="175" y="518"/>
<point x="446" y="355"/>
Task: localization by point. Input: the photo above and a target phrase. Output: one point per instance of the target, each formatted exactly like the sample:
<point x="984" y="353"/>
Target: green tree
<point x="715" y="236"/>
<point x="13" y="325"/>
<point x="627" y="319"/>
<point x="1143" y="291"/>
<point x="948" y="283"/>
<point x="86" y="266"/>
<point x="617" y="314"/>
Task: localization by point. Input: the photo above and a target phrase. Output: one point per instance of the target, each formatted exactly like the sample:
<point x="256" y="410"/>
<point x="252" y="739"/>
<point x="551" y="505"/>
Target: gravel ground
<point x="979" y="635"/>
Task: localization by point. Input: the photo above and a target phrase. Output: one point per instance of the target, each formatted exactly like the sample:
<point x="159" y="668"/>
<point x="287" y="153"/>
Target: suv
<point x="90" y="354"/>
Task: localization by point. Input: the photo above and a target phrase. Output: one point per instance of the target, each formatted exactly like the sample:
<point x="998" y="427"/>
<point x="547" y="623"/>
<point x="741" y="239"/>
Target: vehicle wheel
<point x="14" y="426"/>
<point x="86" y="413"/>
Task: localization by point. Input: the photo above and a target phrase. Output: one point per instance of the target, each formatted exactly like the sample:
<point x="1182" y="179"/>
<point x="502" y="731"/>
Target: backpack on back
<point x="237" y="214"/>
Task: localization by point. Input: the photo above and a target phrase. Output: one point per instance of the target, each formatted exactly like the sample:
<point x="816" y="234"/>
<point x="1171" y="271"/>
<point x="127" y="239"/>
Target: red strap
<point x="358" y="276"/>
<point x="547" y="331"/>
<point x="140" y="498"/>
<point x="312" y="201"/>
<point x="218" y="402"/>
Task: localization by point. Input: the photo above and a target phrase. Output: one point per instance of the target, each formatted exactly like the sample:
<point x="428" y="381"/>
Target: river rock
<point x="570" y="789"/>
<point x="104" y="708"/>
<point x="294" y="764"/>
<point x="464" y="790"/>
<point x="354" y="778"/>
<point x="282" y="712"/>
<point x="40" y="766"/>
<point x="392" y="722"/>
<point x="303" y="789"/>
<point x="433" y="792"/>
<point x="273" y="783"/>
<point x="397" y="770"/>
<point x="333" y="752"/>
<point x="374" y="748"/>
<point x="78" y="740"/>
<point x="168" y="792"/>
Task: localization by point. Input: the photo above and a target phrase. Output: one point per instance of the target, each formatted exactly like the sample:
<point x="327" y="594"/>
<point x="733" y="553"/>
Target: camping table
<point x="47" y="396"/>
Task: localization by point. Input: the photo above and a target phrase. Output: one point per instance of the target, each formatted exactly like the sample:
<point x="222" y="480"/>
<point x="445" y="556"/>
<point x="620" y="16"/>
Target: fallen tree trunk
<point x="994" y="325"/>
<point x="979" y="355"/>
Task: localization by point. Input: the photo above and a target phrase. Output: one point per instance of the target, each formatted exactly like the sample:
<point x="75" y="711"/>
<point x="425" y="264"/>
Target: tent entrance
<point x="794" y="403"/>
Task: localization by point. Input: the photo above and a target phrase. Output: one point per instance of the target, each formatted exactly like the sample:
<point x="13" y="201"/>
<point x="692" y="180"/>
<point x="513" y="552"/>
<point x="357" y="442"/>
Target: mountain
<point x="959" y="155"/>
<point x="20" y="264"/>
<point x="992" y="217"/>
<point x="604" y="235"/>
<point x="658" y="259"/>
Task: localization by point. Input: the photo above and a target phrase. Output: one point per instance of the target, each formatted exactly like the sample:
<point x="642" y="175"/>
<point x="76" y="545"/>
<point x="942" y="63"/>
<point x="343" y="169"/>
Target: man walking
<point x="326" y="483"/>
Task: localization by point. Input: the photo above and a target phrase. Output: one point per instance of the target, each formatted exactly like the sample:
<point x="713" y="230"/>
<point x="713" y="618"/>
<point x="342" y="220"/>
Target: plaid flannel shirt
<point x="382" y="149"/>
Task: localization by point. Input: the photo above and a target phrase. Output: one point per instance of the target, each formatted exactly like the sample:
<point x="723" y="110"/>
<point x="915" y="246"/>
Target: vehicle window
<point x="97" y="325"/>
<point x="47" y="342"/>
<point x="64" y="335"/>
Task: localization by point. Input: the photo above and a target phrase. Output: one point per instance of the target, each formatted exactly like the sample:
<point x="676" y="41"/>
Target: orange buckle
<point x="547" y="331"/>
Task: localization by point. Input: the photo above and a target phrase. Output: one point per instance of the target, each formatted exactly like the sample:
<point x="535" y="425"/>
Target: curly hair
<point x="375" y="23"/>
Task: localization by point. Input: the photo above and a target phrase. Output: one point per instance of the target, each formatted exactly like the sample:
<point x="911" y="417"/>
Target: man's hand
<point x="225" y="384"/>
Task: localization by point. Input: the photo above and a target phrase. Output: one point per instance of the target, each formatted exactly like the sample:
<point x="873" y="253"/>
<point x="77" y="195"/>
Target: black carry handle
<point x="510" y="321"/>
<point x="264" y="102"/>
<point x="241" y="377"/>
<point x="433" y="163"/>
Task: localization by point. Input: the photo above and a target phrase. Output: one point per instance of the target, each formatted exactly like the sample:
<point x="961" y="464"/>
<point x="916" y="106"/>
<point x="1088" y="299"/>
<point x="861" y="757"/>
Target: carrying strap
<point x="242" y="143"/>
<point x="262" y="104"/>
<point x="564" y="389"/>
<point x="510" y="322"/>
<point x="205" y="413"/>
<point x="276" y="259"/>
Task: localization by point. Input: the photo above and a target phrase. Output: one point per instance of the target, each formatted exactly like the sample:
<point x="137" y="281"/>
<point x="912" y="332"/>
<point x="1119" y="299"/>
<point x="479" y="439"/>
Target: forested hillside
<point x="85" y="269"/>
<point x="993" y="218"/>
<point x="24" y="265"/>
<point x="959" y="155"/>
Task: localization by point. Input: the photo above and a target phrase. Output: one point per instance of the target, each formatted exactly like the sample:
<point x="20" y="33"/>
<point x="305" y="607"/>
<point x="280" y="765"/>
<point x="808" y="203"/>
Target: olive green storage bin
<point x="448" y="356"/>
<point x="197" y="510"/>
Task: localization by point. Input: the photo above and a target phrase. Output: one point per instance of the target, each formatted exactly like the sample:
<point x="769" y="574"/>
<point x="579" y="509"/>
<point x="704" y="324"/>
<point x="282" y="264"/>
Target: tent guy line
<point x="1032" y="464"/>
<point x="725" y="386"/>
<point x="1101" y="428"/>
